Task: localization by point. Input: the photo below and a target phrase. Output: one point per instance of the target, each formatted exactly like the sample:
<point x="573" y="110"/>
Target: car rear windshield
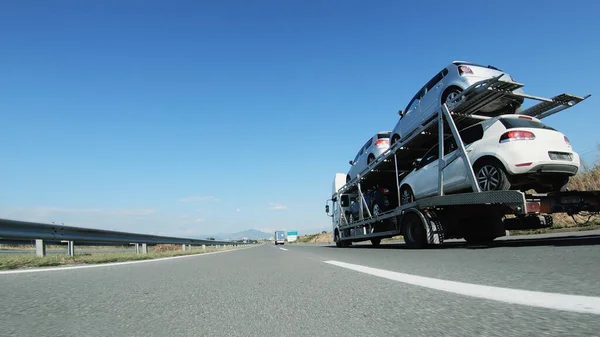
<point x="383" y="135"/>
<point x="476" y="65"/>
<point x="511" y="123"/>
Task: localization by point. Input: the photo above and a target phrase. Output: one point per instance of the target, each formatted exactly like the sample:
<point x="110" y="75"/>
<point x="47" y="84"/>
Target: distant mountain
<point x="251" y="234"/>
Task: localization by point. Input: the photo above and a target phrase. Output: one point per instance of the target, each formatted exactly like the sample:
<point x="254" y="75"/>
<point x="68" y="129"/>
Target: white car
<point x="445" y="86"/>
<point x="372" y="149"/>
<point x="507" y="152"/>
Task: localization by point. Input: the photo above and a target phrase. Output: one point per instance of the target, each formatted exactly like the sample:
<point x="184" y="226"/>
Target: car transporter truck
<point x="477" y="216"/>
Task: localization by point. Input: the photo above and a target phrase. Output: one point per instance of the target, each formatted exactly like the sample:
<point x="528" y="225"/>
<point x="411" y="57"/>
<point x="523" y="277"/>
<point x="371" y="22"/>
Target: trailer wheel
<point x="376" y="242"/>
<point x="413" y="230"/>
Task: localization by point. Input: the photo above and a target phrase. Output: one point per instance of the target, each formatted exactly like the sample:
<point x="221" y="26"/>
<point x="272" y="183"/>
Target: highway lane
<point x="268" y="291"/>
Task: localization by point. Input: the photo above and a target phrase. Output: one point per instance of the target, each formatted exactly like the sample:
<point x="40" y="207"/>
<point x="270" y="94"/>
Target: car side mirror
<point x="400" y="112"/>
<point x="351" y="162"/>
<point x="415" y="163"/>
<point x="327" y="209"/>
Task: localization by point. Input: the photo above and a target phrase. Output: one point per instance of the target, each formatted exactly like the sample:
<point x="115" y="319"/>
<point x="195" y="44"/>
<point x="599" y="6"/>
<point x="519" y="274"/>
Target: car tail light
<point x="567" y="141"/>
<point x="523" y="164"/>
<point x="516" y="135"/>
<point x="464" y="70"/>
<point x="526" y="117"/>
<point x="384" y="190"/>
<point x="382" y="141"/>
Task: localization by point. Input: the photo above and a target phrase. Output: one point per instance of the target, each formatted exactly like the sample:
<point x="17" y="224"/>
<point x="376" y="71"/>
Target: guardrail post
<point x="71" y="248"/>
<point x="40" y="248"/>
<point x="183" y="247"/>
<point x="137" y="248"/>
<point x="190" y="246"/>
<point x="144" y="248"/>
<point x="203" y="247"/>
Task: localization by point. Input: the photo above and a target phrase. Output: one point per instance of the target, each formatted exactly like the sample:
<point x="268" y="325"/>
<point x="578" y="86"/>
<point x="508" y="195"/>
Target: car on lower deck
<point x="446" y="86"/>
<point x="506" y="152"/>
<point x="373" y="148"/>
<point x="377" y="199"/>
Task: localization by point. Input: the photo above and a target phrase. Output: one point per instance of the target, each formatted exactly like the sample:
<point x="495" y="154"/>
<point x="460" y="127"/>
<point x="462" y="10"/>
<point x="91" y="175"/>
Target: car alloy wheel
<point x="488" y="178"/>
<point x="406" y="196"/>
<point x="376" y="210"/>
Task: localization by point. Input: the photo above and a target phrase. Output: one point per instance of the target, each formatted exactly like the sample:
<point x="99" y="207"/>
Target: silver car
<point x="372" y="149"/>
<point x="445" y="86"/>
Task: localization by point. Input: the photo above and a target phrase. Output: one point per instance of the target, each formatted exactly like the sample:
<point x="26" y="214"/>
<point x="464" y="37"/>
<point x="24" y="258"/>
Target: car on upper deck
<point x="445" y="86"/>
<point x="373" y="148"/>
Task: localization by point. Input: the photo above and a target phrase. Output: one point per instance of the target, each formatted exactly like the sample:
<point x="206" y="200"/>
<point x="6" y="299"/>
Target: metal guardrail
<point x="18" y="231"/>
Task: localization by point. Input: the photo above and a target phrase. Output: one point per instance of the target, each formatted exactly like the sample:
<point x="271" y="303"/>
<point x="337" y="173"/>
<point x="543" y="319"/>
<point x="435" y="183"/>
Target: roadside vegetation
<point x="16" y="261"/>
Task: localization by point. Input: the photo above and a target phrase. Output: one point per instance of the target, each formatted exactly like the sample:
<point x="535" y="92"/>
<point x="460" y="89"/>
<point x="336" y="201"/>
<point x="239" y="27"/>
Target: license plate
<point x="560" y="156"/>
<point x="570" y="199"/>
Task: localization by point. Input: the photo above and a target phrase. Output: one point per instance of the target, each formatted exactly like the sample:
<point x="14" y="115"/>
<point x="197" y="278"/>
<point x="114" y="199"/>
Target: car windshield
<point x="511" y="123"/>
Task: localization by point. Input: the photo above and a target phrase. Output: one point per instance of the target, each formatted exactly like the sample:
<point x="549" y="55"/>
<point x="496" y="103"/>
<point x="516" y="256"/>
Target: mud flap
<point x="433" y="227"/>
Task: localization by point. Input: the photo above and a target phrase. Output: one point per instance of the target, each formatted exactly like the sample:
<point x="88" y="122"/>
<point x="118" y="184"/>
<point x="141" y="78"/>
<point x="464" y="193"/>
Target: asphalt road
<point x="304" y="290"/>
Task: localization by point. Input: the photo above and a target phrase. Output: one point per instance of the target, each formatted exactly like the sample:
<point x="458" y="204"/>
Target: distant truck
<point x="279" y="237"/>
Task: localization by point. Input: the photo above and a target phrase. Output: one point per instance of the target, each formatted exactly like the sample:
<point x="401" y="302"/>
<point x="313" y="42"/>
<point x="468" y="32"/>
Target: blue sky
<point x="198" y="117"/>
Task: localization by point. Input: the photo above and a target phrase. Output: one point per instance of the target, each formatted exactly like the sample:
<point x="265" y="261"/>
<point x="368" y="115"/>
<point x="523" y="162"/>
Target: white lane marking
<point x="283" y="248"/>
<point x="574" y="303"/>
<point x="21" y="271"/>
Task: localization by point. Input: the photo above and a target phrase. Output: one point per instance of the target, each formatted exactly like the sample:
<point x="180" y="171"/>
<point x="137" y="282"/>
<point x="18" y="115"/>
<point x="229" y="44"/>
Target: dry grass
<point x="319" y="238"/>
<point x="15" y="261"/>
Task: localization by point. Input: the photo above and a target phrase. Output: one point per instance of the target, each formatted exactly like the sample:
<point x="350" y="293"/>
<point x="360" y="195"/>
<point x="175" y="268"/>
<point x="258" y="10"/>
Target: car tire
<point x="370" y="159"/>
<point x="395" y="139"/>
<point x="375" y="209"/>
<point x="406" y="195"/>
<point x="348" y="178"/>
<point x="450" y="93"/>
<point x="491" y="176"/>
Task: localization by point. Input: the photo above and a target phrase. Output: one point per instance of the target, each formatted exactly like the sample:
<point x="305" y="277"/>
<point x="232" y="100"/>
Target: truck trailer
<point x="477" y="216"/>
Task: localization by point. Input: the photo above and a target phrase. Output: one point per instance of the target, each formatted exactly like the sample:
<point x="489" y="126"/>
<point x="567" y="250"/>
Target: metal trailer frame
<point x="462" y="111"/>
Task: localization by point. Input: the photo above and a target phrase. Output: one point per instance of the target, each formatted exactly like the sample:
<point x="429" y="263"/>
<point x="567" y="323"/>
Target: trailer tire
<point x="376" y="242"/>
<point x="413" y="230"/>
